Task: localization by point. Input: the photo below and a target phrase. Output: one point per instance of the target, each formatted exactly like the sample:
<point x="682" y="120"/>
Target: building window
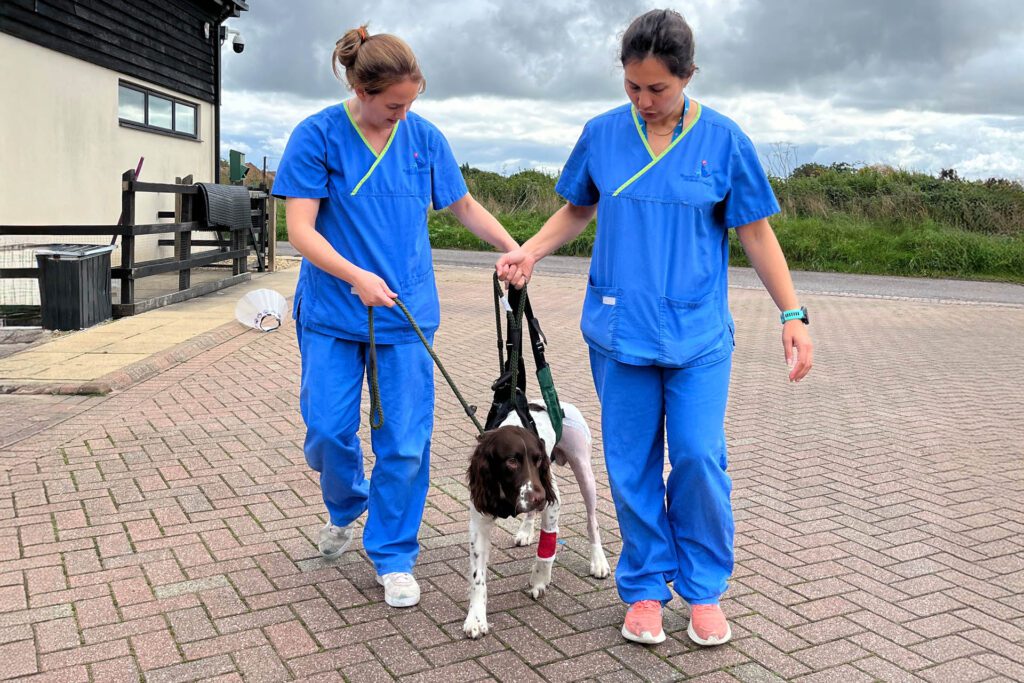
<point x="141" y="108"/>
<point x="184" y="118"/>
<point x="131" y="105"/>
<point x="160" y="112"/>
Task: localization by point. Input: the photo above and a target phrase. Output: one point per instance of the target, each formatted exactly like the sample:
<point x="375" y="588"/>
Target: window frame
<point x="146" y="125"/>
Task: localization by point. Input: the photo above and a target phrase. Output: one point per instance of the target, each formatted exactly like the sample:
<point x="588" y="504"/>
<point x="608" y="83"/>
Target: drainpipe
<point x="216" y="102"/>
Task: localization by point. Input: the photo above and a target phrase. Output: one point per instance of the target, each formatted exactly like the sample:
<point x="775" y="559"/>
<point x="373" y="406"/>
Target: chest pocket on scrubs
<point x="417" y="176"/>
<point x="694" y="190"/>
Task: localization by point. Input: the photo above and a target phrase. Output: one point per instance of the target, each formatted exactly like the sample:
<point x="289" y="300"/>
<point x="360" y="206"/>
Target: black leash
<point x="376" y="410"/>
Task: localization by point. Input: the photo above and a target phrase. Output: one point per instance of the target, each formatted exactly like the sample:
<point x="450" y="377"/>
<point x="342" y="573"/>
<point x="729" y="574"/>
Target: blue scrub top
<point x="657" y="293"/>
<point x="378" y="222"/>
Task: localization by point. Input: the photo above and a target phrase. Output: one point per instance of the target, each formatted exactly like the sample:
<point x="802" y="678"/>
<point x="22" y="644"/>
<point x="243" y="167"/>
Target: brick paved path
<point x="167" y="531"/>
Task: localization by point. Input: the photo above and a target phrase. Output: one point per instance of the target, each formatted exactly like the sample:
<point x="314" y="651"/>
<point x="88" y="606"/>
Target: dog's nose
<point x="535" y="497"/>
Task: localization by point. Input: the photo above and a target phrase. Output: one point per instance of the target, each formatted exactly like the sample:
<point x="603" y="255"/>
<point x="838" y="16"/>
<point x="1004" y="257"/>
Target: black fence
<point x="232" y="246"/>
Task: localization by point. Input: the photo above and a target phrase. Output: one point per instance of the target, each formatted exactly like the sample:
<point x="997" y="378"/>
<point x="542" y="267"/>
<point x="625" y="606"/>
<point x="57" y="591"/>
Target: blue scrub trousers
<point x="689" y="541"/>
<point x="395" y="493"/>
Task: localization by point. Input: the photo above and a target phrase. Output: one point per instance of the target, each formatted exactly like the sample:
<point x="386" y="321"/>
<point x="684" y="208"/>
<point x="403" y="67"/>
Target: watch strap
<point x="793" y="314"/>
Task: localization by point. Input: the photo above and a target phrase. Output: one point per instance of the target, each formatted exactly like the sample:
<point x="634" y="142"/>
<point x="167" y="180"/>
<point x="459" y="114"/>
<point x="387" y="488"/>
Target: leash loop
<point x="376" y="409"/>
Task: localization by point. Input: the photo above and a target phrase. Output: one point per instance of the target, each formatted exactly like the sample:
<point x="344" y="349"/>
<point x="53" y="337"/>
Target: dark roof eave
<point x="221" y="10"/>
<point x="233" y="8"/>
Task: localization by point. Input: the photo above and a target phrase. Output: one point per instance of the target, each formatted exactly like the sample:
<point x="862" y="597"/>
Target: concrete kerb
<point x="134" y="373"/>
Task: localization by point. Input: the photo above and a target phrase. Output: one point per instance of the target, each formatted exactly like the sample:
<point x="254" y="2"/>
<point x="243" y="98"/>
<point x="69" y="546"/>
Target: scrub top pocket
<point x="601" y="315"/>
<point x="694" y="190"/>
<point x="688" y="329"/>
<point x="418" y="179"/>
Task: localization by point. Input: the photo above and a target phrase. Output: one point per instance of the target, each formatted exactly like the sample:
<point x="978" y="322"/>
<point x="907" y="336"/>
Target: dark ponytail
<point x="661" y="33"/>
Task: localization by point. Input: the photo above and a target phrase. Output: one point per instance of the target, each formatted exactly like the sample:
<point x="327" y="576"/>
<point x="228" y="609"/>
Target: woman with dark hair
<point x="672" y="177"/>
<point x="358" y="178"/>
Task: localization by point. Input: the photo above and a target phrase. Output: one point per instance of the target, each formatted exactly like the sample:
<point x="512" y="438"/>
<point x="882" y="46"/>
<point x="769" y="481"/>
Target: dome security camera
<point x="237" y="41"/>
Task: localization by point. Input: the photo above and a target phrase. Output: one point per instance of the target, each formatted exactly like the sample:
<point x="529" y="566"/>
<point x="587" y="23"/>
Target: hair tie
<point x="362" y="34"/>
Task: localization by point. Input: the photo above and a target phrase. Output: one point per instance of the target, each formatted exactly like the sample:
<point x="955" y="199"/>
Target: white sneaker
<point x="334" y="540"/>
<point x="400" y="589"/>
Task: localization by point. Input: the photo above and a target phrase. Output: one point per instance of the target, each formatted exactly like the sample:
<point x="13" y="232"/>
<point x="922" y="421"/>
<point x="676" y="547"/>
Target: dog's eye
<point x="512" y="464"/>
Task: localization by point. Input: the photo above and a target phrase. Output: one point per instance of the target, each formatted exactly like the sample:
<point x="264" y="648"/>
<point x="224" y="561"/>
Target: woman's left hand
<point x="796" y="341"/>
<point x="515" y="267"/>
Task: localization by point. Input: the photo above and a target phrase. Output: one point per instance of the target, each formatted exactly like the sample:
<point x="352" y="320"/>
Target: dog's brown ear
<point x="480" y="476"/>
<point x="544" y="473"/>
<point x="544" y="466"/>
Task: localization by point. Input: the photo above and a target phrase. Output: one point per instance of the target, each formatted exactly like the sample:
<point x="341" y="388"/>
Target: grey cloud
<point x="289" y="46"/>
<point x="550" y="51"/>
<point x="553" y="51"/>
<point x="510" y="155"/>
<point x="938" y="55"/>
<point x="870" y="56"/>
<point x="988" y="147"/>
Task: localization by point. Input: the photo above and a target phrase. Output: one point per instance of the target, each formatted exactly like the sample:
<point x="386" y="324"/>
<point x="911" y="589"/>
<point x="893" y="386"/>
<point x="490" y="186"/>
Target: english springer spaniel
<point x="509" y="474"/>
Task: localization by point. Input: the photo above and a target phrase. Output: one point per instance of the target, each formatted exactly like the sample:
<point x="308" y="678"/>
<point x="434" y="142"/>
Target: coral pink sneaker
<point x="708" y="625"/>
<point x="643" y="623"/>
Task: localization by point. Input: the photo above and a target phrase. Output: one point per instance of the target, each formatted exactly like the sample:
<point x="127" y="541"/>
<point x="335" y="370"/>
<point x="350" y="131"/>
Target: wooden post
<point x="127" y="238"/>
<point x="261" y="204"/>
<point x="184" y="210"/>
<point x="238" y="240"/>
<point x="271" y="214"/>
<point x="263" y="229"/>
<point x="256" y="235"/>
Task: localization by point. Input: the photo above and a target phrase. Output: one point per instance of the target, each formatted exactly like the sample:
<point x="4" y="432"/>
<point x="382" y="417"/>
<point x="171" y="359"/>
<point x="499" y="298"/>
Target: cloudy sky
<point x="918" y="84"/>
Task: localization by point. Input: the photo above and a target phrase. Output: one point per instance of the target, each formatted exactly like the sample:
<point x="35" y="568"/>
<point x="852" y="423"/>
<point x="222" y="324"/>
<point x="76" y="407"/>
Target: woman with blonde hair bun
<point x="358" y="178"/>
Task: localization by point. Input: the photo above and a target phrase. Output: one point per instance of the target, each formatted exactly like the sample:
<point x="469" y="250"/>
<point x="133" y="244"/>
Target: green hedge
<point x="884" y="194"/>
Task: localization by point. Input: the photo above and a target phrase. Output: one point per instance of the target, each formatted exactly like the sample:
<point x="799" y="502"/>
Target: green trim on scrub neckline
<point x="661" y="156"/>
<point x="640" y="131"/>
<point x="355" y="125"/>
<point x="377" y="157"/>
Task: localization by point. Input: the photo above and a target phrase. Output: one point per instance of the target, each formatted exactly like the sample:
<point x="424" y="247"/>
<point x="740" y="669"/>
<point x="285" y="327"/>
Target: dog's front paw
<point x="540" y="577"/>
<point x="524" y="536"/>
<point x="475" y="625"/>
<point x="599" y="567"/>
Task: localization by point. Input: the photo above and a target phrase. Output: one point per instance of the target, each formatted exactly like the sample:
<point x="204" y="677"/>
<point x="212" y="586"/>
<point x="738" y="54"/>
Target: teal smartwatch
<point x="796" y="314"/>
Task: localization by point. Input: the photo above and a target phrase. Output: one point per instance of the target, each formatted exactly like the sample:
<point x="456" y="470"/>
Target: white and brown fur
<point x="509" y="474"/>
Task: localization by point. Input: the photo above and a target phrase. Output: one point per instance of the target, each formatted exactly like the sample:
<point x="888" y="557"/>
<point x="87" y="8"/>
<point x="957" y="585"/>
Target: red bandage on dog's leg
<point x="548" y="542"/>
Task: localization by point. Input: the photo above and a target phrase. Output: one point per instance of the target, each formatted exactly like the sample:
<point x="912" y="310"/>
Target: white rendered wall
<point x="62" y="150"/>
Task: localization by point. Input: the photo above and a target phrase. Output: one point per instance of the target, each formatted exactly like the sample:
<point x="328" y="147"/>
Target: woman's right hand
<point x="372" y="290"/>
<point x="515" y="267"/>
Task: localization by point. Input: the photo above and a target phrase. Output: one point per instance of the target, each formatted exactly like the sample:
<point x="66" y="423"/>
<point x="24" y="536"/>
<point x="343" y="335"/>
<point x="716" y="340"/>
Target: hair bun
<point x="346" y="48"/>
<point x="375" y="66"/>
